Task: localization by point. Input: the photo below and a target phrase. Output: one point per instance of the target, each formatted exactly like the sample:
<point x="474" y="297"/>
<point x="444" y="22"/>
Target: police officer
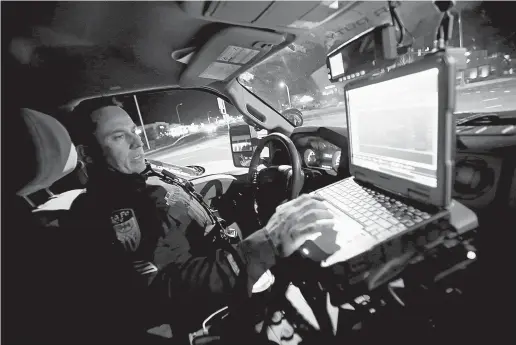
<point x="159" y="228"/>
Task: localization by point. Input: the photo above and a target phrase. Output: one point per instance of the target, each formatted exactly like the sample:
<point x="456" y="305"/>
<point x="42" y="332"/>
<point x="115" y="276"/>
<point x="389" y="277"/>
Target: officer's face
<point x="116" y="134"/>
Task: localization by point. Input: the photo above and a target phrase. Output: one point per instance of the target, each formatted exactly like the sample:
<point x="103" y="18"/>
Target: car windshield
<point x="297" y="76"/>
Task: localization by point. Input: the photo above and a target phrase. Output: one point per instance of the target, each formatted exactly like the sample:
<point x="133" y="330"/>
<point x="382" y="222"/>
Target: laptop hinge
<point x="417" y="195"/>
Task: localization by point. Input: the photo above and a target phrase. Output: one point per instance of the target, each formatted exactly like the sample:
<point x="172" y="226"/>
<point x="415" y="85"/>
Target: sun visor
<point x="227" y="54"/>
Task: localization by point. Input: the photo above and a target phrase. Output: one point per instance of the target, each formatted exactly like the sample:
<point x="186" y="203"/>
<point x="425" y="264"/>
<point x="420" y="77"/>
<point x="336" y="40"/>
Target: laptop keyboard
<point x="380" y="215"/>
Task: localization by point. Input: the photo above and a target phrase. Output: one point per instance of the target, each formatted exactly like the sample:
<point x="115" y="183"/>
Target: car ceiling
<point x="68" y="50"/>
<point x="84" y="48"/>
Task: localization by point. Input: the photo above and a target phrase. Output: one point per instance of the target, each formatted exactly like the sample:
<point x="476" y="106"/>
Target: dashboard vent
<point x="473" y="178"/>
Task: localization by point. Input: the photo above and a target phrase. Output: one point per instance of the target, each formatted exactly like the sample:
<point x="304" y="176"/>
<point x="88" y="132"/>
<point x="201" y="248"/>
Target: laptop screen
<point x="393" y="126"/>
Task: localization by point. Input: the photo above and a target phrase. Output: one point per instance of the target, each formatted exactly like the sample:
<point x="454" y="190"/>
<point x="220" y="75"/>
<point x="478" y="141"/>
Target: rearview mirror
<point x="243" y="139"/>
<point x="294" y="116"/>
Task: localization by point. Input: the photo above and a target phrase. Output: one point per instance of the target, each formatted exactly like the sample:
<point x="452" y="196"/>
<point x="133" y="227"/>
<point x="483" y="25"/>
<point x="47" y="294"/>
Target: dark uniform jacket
<point x="148" y="236"/>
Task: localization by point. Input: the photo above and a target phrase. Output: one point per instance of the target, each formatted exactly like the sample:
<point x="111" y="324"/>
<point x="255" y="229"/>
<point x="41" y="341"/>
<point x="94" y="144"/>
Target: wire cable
<point x="211" y="317"/>
<point x="396" y="20"/>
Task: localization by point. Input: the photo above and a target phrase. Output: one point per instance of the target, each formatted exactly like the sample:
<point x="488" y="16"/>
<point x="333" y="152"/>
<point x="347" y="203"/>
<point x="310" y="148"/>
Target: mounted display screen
<point x="362" y="54"/>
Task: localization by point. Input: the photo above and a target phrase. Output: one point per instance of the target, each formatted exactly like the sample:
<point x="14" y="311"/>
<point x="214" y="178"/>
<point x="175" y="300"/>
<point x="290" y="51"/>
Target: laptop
<point x="401" y="145"/>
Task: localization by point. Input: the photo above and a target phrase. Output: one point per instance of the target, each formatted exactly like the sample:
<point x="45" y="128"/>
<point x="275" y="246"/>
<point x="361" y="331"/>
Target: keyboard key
<point x="373" y="227"/>
<point x="383" y="223"/>
<point x="385" y="215"/>
<point x="375" y="232"/>
<point x="395" y="229"/>
<point x="361" y="210"/>
<point x="345" y="208"/>
<point x="383" y="235"/>
<point x="393" y="220"/>
<point x="332" y="208"/>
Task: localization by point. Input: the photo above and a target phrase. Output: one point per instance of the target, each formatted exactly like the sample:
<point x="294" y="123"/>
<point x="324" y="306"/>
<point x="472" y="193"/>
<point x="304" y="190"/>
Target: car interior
<point x="154" y="57"/>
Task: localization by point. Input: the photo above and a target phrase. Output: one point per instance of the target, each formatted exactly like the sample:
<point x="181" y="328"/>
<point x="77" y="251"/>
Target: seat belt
<point x="219" y="228"/>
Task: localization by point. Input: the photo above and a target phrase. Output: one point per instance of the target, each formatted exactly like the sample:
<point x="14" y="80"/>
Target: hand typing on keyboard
<point x="297" y="221"/>
<point x="345" y="241"/>
<point x="351" y="240"/>
<point x="364" y="218"/>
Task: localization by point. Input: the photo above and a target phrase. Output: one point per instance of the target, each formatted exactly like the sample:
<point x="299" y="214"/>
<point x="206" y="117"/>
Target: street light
<point x="177" y="112"/>
<point x="282" y="84"/>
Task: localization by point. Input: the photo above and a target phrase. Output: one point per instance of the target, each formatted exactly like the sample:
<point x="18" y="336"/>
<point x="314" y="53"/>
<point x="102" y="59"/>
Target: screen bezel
<point x="440" y="195"/>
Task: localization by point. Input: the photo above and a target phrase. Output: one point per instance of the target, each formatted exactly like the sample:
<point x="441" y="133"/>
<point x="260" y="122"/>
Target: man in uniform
<point x="158" y="228"/>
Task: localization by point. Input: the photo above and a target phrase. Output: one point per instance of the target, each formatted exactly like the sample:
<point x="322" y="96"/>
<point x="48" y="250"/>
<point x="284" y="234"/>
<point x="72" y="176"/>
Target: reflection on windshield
<point x="297" y="76"/>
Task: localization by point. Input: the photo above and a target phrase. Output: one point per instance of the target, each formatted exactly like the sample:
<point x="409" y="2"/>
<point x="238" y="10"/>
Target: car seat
<point x="51" y="280"/>
<point x="38" y="301"/>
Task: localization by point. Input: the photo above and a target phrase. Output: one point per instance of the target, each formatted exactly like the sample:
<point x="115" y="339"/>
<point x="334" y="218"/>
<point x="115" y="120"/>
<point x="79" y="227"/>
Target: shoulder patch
<point x="126" y="228"/>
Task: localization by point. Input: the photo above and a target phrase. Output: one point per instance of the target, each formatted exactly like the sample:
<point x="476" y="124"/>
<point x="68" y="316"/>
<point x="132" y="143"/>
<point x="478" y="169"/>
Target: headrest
<point x="62" y="201"/>
<point x="48" y="144"/>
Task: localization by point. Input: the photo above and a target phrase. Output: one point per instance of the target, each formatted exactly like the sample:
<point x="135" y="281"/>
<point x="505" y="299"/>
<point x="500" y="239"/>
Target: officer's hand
<point x="297" y="221"/>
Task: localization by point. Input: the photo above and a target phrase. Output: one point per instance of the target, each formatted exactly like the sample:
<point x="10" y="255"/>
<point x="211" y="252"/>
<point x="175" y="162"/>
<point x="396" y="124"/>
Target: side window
<point x="185" y="127"/>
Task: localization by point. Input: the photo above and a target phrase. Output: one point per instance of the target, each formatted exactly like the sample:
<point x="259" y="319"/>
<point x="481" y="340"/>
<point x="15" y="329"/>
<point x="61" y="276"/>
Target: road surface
<point x="214" y="154"/>
<point x="486" y="96"/>
<point x="489" y="97"/>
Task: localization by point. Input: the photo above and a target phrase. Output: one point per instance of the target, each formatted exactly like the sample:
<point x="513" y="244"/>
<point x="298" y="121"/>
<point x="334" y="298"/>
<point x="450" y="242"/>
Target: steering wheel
<point x="292" y="175"/>
<point x="219" y="189"/>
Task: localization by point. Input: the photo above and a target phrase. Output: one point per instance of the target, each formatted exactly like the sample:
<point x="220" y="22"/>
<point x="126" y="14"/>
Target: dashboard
<point x="478" y="169"/>
<point x="319" y="148"/>
<point x="323" y="148"/>
<point x="319" y="153"/>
